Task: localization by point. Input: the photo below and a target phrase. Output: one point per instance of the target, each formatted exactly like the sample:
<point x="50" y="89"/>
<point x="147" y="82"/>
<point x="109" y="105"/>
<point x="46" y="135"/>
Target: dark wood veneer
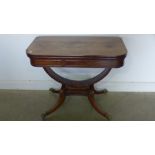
<point x="77" y="51"/>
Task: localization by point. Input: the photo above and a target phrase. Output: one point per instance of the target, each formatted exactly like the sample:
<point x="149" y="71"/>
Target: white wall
<point x="138" y="74"/>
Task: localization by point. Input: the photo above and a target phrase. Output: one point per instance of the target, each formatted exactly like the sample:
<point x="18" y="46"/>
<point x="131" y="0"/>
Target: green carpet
<point x="17" y="105"/>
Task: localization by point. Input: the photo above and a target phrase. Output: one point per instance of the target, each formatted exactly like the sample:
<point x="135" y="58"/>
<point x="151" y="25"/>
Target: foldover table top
<point x="77" y="51"/>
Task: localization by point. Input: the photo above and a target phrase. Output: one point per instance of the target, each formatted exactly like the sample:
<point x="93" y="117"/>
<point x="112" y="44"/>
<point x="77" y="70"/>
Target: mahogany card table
<point x="78" y="52"/>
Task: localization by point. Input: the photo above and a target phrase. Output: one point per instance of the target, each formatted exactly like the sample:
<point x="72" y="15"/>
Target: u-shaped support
<point x="73" y="87"/>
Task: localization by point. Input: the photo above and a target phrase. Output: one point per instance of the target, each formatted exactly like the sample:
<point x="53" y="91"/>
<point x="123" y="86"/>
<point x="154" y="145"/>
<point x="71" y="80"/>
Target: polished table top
<point x="77" y="51"/>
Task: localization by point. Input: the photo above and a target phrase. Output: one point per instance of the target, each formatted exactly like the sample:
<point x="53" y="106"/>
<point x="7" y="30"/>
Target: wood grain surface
<point x="77" y="51"/>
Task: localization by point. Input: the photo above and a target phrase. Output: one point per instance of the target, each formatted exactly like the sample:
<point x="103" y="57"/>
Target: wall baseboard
<point x="29" y="85"/>
<point x="111" y="86"/>
<point x="128" y="86"/>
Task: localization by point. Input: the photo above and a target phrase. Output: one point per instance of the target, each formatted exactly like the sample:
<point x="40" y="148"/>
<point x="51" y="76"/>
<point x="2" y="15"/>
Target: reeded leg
<point x="93" y="103"/>
<point x="57" y="105"/>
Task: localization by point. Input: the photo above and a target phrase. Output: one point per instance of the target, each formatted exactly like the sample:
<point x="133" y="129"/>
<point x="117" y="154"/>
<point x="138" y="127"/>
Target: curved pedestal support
<point x="73" y="87"/>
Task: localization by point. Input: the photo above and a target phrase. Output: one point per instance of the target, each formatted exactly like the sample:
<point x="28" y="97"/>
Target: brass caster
<point x="43" y="116"/>
<point x="108" y="117"/>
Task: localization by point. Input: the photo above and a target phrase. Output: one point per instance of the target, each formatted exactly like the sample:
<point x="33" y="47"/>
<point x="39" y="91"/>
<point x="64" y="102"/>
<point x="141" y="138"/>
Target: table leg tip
<point x="109" y="117"/>
<point x="54" y="90"/>
<point x="43" y="116"/>
<point x="105" y="91"/>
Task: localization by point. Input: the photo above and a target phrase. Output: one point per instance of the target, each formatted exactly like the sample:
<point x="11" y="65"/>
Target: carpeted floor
<point x="17" y="105"/>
